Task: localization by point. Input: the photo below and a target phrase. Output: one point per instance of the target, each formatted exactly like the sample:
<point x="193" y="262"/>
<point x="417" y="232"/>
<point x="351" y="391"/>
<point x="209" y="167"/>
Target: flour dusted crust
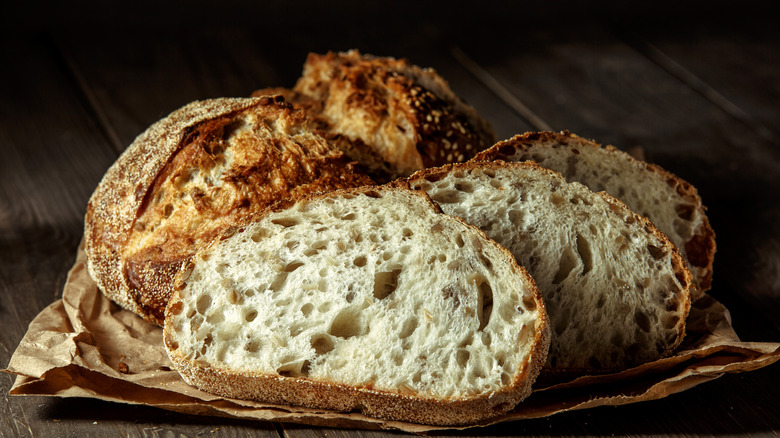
<point x="388" y="114"/>
<point x="190" y="177"/>
<point x="672" y="204"/>
<point x="313" y="340"/>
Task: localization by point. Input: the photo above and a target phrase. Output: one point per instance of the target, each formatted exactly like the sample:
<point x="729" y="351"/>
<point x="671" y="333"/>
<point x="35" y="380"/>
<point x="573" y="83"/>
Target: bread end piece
<point x="191" y="176"/>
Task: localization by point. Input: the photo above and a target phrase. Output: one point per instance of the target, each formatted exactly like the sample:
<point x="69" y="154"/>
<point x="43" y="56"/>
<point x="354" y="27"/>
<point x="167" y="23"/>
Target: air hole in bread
<point x="176" y="308"/>
<point x="215" y="317"/>
<point x="408" y="327"/>
<point x="324" y="307"/>
<point x="226" y="283"/>
<point x="307" y="308"/>
<point x="259" y="235"/>
<point x="447" y="197"/>
<point x="349" y="217"/>
<point x="315" y="248"/>
<point x="233" y="297"/>
<point x="529" y="302"/>
<point x="350" y="297"/>
<point x="385" y="283"/>
<point x="462" y="357"/>
<point x="285" y="222"/>
<point x="406" y="232"/>
<point x="290" y="267"/>
<point x="459" y="241"/>
<point x="221" y="268"/>
<point x="671" y="322"/>
<point x="497" y="183"/>
<point x="279" y="280"/>
<point x="252" y="346"/>
<point x="322" y="344"/>
<point x="516" y="217"/>
<point x="291" y="245"/>
<point x="347" y="324"/>
<point x="250" y="315"/>
<point x="203" y="303"/>
<point x="656" y="252"/>
<point x="567" y="263"/>
<point x="464" y="186"/>
<point x="387" y="256"/>
<point x="642" y="320"/>
<point x="484" y="300"/>
<point x="585" y="253"/>
<point x="556" y="199"/>
<point x="360" y="261"/>
<point x="293" y="369"/>
<point x="437" y="227"/>
<point x="168" y="211"/>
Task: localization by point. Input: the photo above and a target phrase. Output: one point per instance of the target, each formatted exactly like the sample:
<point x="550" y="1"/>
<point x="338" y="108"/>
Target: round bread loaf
<point x="391" y="116"/>
<point x="190" y="177"/>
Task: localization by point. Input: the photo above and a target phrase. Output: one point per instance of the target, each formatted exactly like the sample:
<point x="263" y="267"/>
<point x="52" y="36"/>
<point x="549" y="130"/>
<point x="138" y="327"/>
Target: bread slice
<point x="616" y="290"/>
<point x="191" y="176"/>
<point x="364" y="300"/>
<point x="672" y="204"/>
<point x="388" y="114"/>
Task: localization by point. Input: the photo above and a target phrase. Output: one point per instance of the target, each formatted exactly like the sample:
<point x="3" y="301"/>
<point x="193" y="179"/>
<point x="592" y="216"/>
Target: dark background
<point x="695" y="85"/>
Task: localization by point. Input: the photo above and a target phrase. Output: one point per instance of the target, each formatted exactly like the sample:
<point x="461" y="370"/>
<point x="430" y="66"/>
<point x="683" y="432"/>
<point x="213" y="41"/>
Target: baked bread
<point x="391" y="116"/>
<point x="672" y="204"/>
<point x="364" y="300"/>
<point x="616" y="290"/>
<point x="190" y="177"/>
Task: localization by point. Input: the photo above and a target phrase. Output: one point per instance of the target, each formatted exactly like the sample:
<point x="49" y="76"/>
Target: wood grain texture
<point x="76" y="95"/>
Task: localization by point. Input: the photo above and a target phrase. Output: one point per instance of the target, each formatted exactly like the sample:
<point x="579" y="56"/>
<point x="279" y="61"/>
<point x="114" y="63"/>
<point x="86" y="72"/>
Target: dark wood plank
<point x="592" y="83"/>
<point x="138" y="76"/>
<point x="54" y="154"/>
<point x="729" y="63"/>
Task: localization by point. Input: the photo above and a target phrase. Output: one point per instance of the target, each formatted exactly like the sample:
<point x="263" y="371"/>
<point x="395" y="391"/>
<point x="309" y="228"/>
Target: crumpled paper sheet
<point x="86" y="346"/>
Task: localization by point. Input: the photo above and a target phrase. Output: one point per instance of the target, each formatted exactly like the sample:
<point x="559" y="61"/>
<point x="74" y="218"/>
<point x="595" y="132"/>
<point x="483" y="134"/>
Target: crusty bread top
<point x="398" y="117"/>
<point x="672" y="204"/>
<point x="191" y="176"/>
<point x="365" y="299"/>
<point x="616" y="290"/>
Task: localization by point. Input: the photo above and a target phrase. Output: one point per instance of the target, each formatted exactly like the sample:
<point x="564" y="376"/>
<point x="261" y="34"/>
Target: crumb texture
<point x="616" y="292"/>
<point x="673" y="205"/>
<point x="374" y="290"/>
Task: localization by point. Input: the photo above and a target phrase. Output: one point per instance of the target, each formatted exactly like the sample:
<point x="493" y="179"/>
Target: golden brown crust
<point x="385" y="404"/>
<point x="699" y="250"/>
<point x="393" y="117"/>
<point x="189" y="178"/>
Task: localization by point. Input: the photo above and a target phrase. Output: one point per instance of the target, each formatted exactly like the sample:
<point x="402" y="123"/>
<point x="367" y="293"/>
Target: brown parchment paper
<point x="86" y="346"/>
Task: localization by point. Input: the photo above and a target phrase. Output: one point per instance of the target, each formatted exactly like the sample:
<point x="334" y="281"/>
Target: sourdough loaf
<point x="672" y="204"/>
<point x="190" y="177"/>
<point x="390" y="115"/>
<point x="366" y="299"/>
<point x="616" y="289"/>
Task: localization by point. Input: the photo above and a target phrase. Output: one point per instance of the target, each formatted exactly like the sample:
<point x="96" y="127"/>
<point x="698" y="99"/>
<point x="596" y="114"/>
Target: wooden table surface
<point x="696" y="88"/>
